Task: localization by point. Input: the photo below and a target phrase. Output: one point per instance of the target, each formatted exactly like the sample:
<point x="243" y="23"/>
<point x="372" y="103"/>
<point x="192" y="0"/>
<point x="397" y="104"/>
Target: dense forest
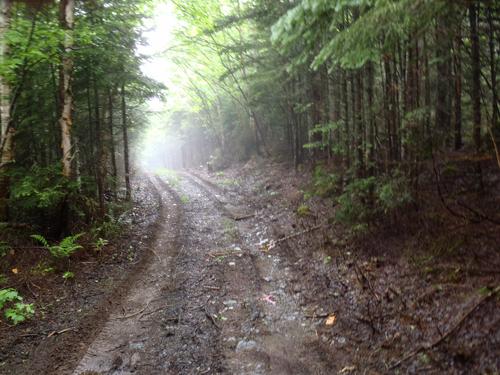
<point x="376" y="87"/>
<point x="387" y="111"/>
<point x="72" y="90"/>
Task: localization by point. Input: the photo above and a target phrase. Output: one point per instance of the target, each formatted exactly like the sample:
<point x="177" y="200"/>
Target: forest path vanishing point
<point x="210" y="301"/>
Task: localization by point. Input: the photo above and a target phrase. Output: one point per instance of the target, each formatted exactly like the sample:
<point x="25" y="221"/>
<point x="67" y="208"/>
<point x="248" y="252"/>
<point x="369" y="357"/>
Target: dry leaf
<point x="15" y="271"/>
<point x="330" y="321"/>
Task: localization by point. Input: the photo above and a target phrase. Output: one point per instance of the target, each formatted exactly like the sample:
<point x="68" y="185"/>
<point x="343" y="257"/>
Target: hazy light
<point x="159" y="149"/>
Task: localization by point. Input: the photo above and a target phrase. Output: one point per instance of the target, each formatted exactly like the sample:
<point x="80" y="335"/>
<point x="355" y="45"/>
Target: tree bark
<point x="360" y="127"/>
<point x="100" y="168"/>
<point x="67" y="22"/>
<point x="370" y="71"/>
<point x="5" y="6"/>
<point x="111" y="141"/>
<point x="6" y="131"/>
<point x="476" y="76"/>
<point x="458" y="91"/>
<point x="126" y="156"/>
<point x="493" y="73"/>
<point x="443" y="101"/>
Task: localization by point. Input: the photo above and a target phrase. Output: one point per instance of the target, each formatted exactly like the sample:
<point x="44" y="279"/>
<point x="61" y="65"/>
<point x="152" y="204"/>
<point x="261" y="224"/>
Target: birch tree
<point x="67" y="22"/>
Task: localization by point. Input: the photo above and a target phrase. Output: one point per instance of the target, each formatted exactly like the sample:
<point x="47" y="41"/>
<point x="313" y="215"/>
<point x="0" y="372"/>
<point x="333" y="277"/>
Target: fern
<point x="64" y="249"/>
<point x="41" y="239"/>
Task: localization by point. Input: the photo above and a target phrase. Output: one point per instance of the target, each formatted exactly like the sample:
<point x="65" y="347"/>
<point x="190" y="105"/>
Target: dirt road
<point x="211" y="301"/>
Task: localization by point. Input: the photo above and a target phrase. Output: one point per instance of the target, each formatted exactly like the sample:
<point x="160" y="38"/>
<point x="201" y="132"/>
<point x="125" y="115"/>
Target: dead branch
<point x="134" y="314"/>
<point x="298" y="234"/>
<point x="60" y="332"/>
<point x="241" y="218"/>
<point x="428" y="346"/>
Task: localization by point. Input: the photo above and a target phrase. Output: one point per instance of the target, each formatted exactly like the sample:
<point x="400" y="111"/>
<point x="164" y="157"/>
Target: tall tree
<point x="476" y="75"/>
<point x="67" y="22"/>
<point x="6" y="131"/>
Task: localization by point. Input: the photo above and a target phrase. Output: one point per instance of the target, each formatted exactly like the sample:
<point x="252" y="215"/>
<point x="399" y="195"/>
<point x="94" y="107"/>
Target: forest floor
<point x="219" y="273"/>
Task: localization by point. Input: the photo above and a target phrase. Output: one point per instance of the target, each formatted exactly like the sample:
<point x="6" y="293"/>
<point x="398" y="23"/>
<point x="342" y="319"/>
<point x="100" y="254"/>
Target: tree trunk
<point x="347" y="132"/>
<point x="443" y="110"/>
<point x="493" y="74"/>
<point x="476" y="76"/>
<point x="371" y="118"/>
<point x="100" y="168"/>
<point x="126" y="157"/>
<point x="360" y="128"/>
<point x="458" y="92"/>
<point x="4" y="85"/>
<point x="6" y="131"/>
<point x="67" y="22"/>
<point x="111" y="141"/>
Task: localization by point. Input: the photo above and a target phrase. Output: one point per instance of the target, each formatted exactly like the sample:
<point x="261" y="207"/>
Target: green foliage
<point x="38" y="188"/>
<point x="365" y="198"/>
<point x="170" y="175"/>
<point x="393" y="193"/>
<point x="324" y="183"/>
<point x="68" y="275"/>
<point x="64" y="249"/>
<point x="303" y="210"/>
<point x="100" y="244"/>
<point x="354" y="201"/>
<point x="18" y="311"/>
<point x="4" y="249"/>
<point x="42" y="269"/>
<point x="3" y="279"/>
<point x="108" y="229"/>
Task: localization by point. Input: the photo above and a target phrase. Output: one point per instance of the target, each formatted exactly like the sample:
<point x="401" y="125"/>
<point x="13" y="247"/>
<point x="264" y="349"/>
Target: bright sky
<point x="157" y="145"/>
<point x="159" y="38"/>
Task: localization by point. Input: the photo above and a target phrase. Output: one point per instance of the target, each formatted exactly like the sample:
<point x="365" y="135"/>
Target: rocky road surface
<point x="212" y="299"/>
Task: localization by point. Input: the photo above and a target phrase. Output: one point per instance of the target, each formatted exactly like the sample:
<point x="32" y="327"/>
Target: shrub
<point x="18" y="311"/>
<point x="393" y="193"/>
<point x="354" y="202"/>
<point x="365" y="198"/>
<point x="325" y="184"/>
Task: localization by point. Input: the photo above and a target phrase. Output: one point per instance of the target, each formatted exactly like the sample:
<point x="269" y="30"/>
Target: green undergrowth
<point x="359" y="200"/>
<point x="171" y="176"/>
<point x="13" y="307"/>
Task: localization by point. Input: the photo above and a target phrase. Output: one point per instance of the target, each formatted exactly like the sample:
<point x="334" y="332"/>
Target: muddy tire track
<point x="199" y="308"/>
<point x="262" y="336"/>
<point x="121" y="346"/>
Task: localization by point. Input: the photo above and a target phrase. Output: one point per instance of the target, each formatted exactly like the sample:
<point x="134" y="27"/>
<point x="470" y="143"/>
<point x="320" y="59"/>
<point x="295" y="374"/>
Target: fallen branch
<point x="224" y="254"/>
<point x="428" y="346"/>
<point x="298" y="234"/>
<point x="134" y="314"/>
<point x="60" y="332"/>
<point x="240" y="218"/>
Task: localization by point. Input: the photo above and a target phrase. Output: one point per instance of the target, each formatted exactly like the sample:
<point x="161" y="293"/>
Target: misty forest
<point x="249" y="187"/>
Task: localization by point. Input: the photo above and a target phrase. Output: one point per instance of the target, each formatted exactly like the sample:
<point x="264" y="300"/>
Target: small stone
<point x="246" y="345"/>
<point x="134" y="360"/>
<point x="230" y="302"/>
<point x="136" y="346"/>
